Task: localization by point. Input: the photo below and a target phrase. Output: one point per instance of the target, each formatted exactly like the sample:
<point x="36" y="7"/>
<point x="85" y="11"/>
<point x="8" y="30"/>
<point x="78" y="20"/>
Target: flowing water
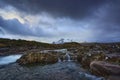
<point x="59" y="60"/>
<point x="68" y="56"/>
<point x="9" y="59"/>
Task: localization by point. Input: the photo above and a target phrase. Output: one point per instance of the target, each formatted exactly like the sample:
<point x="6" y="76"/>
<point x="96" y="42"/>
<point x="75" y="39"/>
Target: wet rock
<point x="41" y="58"/>
<point x="104" y="69"/>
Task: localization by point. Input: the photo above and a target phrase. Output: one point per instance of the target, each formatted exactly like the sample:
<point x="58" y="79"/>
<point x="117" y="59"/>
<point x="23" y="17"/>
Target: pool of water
<point x="9" y="59"/>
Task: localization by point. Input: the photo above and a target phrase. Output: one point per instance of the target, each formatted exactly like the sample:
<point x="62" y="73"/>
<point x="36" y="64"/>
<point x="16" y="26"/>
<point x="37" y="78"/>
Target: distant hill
<point x="34" y="44"/>
<point x="12" y="46"/>
<point x="21" y="43"/>
<point x="12" y="43"/>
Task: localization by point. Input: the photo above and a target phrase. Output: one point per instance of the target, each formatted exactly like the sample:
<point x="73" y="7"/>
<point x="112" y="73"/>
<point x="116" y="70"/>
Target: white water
<point x="85" y="76"/>
<point x="68" y="56"/>
<point x="56" y="50"/>
<point x="9" y="59"/>
<point x="59" y="60"/>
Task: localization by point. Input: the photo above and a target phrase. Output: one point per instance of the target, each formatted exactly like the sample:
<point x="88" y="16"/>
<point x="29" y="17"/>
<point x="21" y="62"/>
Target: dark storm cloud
<point x="13" y="26"/>
<point x="107" y="26"/>
<point x="69" y="8"/>
<point x="2" y="4"/>
<point x="104" y="13"/>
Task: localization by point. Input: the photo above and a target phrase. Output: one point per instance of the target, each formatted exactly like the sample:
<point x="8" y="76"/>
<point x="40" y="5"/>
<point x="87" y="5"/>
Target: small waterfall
<point x="68" y="56"/>
<point x="59" y="60"/>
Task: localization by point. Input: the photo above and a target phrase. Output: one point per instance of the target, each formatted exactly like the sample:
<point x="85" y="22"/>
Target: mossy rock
<point x="41" y="58"/>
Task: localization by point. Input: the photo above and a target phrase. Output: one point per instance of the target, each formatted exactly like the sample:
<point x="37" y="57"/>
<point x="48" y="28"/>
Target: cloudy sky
<point x="51" y="20"/>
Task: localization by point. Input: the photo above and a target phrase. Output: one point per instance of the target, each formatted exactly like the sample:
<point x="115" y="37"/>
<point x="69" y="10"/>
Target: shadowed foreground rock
<point x="37" y="57"/>
<point x="104" y="69"/>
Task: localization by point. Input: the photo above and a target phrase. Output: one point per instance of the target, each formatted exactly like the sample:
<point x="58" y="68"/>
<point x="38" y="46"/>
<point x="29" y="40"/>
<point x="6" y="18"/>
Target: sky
<point x="51" y="20"/>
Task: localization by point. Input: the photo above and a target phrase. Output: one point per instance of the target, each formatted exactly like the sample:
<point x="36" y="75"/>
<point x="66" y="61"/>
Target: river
<point x="9" y="59"/>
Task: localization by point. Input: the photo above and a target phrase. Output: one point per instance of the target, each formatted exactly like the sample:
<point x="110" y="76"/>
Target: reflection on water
<point x="9" y="59"/>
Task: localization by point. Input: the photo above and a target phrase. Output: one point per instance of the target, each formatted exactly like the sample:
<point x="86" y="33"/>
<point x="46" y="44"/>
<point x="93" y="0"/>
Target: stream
<point x="66" y="70"/>
<point x="9" y="59"/>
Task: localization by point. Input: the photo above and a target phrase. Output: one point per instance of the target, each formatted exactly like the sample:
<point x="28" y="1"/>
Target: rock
<point x="41" y="58"/>
<point x="104" y="69"/>
<point x="114" y="58"/>
<point x="86" y="58"/>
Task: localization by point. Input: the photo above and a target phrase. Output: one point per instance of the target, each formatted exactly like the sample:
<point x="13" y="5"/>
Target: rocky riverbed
<point x="57" y="71"/>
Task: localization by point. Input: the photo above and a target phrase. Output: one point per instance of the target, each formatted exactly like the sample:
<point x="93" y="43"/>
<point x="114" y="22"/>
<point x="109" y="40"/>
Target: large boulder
<point x="104" y="69"/>
<point x="40" y="58"/>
